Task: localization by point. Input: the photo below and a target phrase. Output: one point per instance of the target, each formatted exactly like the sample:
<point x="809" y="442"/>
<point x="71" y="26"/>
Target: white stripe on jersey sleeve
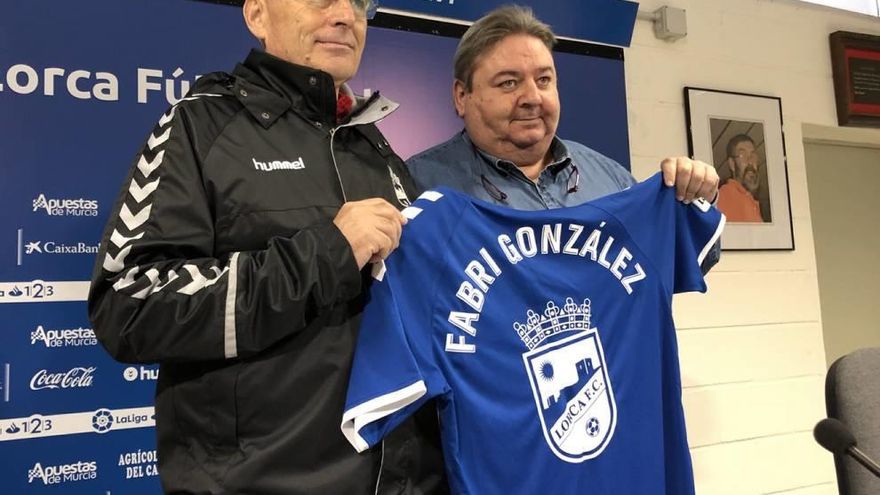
<point x="431" y="195"/>
<point x="713" y="240"/>
<point x="375" y="409"/>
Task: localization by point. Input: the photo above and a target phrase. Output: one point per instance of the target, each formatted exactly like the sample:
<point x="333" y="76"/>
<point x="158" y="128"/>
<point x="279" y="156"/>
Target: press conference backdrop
<point x="81" y="85"/>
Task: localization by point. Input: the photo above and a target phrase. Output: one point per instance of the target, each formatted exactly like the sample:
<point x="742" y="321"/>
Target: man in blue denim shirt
<point x="508" y="153"/>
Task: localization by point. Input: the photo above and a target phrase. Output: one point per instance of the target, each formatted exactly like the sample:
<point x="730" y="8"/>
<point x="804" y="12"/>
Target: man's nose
<point x="342" y="12"/>
<point x="530" y="94"/>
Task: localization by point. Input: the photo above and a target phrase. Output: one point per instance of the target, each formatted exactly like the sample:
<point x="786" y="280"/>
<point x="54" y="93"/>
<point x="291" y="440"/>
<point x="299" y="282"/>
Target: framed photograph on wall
<point x="741" y="136"/>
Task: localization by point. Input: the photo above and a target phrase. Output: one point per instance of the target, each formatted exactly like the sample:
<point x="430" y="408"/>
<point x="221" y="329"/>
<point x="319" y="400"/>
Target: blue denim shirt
<point x="576" y="174"/>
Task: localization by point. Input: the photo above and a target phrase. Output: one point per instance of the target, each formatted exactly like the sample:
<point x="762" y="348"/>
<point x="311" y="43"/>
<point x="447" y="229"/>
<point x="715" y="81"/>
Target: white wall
<point x="752" y="354"/>
<point x="847" y="259"/>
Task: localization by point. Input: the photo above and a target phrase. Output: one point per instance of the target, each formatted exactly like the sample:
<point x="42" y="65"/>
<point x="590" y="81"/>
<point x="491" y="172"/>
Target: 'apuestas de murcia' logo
<point x="68" y="337"/>
<point x="63" y="473"/>
<point x="66" y="207"/>
<point x="78" y="377"/>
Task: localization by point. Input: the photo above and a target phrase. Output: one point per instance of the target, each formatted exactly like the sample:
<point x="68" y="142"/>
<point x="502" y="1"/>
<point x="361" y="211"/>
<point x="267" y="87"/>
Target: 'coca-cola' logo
<point x="78" y="377"/>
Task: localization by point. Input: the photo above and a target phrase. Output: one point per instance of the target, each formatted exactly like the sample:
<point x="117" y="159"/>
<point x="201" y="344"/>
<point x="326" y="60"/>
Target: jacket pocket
<point x="205" y="413"/>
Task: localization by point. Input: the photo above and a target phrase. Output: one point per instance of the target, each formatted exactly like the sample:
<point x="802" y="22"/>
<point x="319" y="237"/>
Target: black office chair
<point x="852" y="395"/>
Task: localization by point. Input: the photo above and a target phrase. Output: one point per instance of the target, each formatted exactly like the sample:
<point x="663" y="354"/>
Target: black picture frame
<point x="742" y="136"/>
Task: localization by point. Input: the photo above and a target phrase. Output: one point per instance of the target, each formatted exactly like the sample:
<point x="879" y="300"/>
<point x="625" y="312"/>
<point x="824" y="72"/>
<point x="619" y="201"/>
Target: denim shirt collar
<point x="561" y="157"/>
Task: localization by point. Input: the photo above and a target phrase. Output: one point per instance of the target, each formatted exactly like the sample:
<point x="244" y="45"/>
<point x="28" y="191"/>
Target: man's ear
<point x="459" y="93"/>
<point x="254" y="12"/>
<point x="731" y="165"/>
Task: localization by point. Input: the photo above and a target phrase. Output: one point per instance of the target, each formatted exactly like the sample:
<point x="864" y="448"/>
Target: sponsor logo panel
<point x="140" y="373"/>
<point x="138" y="464"/>
<point x="63" y="337"/>
<point x="55" y="474"/>
<point x="43" y="291"/>
<point x="29" y="248"/>
<point x="81" y="84"/>
<point x="98" y="422"/>
<point x="76" y="377"/>
<point x="60" y="207"/>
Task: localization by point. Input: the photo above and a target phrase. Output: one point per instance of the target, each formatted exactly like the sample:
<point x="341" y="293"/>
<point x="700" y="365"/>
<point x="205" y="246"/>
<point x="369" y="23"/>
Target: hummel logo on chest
<point x="297" y="164"/>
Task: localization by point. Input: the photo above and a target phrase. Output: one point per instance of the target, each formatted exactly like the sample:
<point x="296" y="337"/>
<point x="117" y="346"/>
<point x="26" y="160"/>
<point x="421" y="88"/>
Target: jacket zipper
<point x="345" y="200"/>
<point x="381" y="465"/>
<point x="336" y="166"/>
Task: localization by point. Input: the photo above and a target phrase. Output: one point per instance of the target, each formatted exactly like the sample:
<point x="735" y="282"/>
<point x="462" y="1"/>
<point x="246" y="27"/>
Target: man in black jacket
<point x="233" y="257"/>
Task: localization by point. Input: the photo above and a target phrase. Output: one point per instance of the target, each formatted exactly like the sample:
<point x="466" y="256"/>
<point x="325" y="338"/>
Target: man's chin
<point x="530" y="140"/>
<point x="340" y="71"/>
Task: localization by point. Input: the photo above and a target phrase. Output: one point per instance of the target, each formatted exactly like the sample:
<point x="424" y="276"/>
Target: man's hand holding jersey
<point x="372" y="228"/>
<point x="692" y="178"/>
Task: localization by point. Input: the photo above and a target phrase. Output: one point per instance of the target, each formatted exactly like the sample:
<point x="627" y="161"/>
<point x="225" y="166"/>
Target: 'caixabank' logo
<point x="569" y="379"/>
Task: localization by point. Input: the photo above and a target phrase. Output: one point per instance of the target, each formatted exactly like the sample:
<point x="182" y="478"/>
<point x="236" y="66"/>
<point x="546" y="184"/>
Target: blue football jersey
<point x="547" y="337"/>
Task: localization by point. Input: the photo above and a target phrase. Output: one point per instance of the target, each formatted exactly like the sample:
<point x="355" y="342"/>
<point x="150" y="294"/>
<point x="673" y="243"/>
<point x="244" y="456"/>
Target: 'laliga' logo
<point x="569" y="380"/>
<point x="102" y="420"/>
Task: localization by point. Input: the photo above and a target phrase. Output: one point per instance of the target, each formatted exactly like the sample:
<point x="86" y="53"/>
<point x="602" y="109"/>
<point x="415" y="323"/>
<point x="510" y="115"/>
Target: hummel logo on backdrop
<point x="279" y="165"/>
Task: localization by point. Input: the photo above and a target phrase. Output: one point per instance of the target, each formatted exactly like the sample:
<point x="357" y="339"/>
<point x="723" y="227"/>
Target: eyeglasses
<point x="574" y="181"/>
<point x="362" y="8"/>
<point x="492" y="189"/>
<point x="577" y="179"/>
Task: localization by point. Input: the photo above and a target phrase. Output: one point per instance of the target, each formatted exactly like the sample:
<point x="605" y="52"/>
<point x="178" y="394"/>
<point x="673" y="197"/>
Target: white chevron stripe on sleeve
<point x="157" y="140"/>
<point x="141" y="193"/>
<point x="196" y="96"/>
<point x="117" y="263"/>
<point x="120" y="240"/>
<point x="172" y="276"/>
<point x="127" y="280"/>
<point x="131" y="220"/>
<point x="220" y="274"/>
<point x="153" y="275"/>
<point x="167" y="117"/>
<point x="199" y="281"/>
<point x="146" y="167"/>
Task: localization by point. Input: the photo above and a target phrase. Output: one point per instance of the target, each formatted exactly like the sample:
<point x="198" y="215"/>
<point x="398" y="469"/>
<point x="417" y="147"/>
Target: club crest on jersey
<point x="569" y="378"/>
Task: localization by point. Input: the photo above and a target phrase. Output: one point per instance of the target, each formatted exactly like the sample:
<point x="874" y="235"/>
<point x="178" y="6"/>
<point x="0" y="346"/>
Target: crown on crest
<point x="538" y="328"/>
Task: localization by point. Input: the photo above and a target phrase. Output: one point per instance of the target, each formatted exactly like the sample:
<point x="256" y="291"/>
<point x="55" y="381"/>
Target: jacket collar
<point x="369" y="110"/>
<point x="268" y="86"/>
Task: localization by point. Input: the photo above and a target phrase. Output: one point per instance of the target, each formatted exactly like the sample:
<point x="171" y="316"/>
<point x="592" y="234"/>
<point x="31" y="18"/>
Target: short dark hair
<point x="735" y="140"/>
<point x="492" y="28"/>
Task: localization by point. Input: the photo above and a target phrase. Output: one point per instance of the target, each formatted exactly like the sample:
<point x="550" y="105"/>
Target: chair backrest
<point x="852" y="395"/>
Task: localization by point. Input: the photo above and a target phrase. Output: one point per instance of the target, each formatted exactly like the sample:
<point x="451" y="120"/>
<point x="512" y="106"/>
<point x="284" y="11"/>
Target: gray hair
<point x="492" y="28"/>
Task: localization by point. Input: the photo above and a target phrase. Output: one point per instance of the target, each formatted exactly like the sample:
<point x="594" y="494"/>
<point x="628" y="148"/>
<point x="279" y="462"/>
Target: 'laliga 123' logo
<point x="566" y="367"/>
